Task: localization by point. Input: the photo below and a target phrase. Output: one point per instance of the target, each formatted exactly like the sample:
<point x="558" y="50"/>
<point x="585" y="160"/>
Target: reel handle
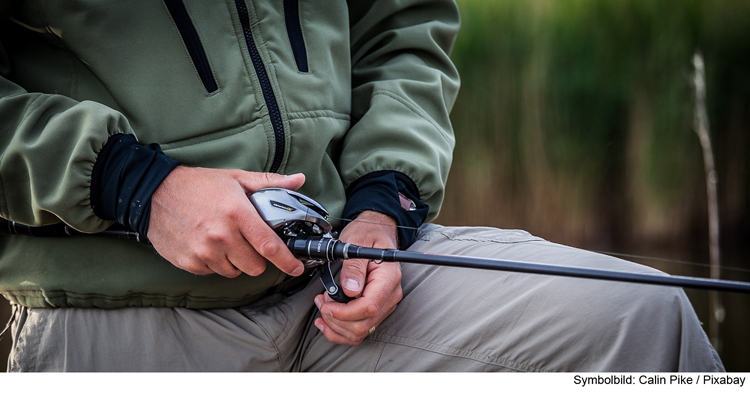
<point x="334" y="290"/>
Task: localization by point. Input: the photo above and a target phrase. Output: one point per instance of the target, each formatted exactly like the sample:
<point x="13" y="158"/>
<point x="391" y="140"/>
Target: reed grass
<point x="575" y="122"/>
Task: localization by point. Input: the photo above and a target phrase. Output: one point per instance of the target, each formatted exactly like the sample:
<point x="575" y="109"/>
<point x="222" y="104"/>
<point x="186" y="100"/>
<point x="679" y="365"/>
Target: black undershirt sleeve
<point x="125" y="176"/>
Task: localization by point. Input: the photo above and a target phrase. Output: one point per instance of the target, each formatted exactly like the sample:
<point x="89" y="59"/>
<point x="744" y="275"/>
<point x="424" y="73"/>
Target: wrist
<point x="390" y="193"/>
<point x="382" y="222"/>
<point x="380" y="228"/>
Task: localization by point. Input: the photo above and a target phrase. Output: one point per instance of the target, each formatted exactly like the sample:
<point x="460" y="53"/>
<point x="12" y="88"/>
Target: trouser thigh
<point x="458" y="319"/>
<point x="450" y="319"/>
<point x="265" y="336"/>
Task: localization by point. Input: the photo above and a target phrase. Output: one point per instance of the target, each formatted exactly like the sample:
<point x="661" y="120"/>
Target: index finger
<point x="268" y="244"/>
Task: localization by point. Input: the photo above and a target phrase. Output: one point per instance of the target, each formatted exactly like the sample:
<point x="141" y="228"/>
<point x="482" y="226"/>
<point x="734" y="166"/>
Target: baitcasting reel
<point x="294" y="216"/>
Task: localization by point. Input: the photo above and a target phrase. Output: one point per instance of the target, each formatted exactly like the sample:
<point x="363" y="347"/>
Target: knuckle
<point x="268" y="177"/>
<point x="371" y="309"/>
<point x="263" y="179"/>
<point x="397" y="276"/>
<point x="193" y="265"/>
<point x="269" y="248"/>
<point x="254" y="270"/>
<point x="360" y="267"/>
<point x="217" y="237"/>
<point x="398" y="294"/>
<point x="347" y="337"/>
<point x="232" y="211"/>
<point x="362" y="330"/>
<point x="202" y="255"/>
<point x="183" y="262"/>
<point x="352" y="338"/>
<point x="359" y="339"/>
<point x="355" y="270"/>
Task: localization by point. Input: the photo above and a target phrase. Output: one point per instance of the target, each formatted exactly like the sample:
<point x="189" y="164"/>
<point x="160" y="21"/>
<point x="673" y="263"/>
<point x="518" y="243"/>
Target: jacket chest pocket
<point x="192" y="43"/>
<point x="294" y="30"/>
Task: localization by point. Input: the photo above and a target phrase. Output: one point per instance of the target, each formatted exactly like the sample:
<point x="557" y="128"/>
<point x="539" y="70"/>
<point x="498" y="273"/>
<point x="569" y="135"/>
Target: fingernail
<point x="319" y="325"/>
<point x="327" y="312"/>
<point x="298" y="271"/>
<point x="351" y="284"/>
<point x="318" y="303"/>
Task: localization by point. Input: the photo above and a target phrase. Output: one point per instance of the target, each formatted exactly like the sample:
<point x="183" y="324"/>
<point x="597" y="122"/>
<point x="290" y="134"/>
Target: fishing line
<point x="618" y="254"/>
<point x="681" y="262"/>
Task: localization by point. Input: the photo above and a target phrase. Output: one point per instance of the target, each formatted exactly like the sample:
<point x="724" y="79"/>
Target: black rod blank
<point x="330" y="249"/>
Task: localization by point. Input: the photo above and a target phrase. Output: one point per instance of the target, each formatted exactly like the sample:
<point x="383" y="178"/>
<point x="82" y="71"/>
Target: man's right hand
<point x="202" y="222"/>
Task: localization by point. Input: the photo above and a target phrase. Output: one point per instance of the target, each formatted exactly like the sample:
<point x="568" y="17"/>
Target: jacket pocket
<point x="192" y="42"/>
<point x="294" y="30"/>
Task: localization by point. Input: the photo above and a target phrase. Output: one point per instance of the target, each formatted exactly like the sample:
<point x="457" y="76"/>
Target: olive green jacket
<point x="326" y="88"/>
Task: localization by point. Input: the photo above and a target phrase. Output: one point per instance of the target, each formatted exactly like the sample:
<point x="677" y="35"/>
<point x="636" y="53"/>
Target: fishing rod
<point x="303" y="225"/>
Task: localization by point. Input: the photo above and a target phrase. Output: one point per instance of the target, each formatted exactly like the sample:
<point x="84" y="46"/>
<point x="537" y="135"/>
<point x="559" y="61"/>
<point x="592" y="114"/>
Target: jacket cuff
<point x="379" y="191"/>
<point x="124" y="177"/>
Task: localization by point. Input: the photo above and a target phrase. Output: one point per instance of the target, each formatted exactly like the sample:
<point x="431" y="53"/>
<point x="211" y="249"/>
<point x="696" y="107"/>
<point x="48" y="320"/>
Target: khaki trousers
<point x="451" y="319"/>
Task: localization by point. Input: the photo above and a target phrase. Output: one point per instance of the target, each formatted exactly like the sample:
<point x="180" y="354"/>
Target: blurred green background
<point x="575" y="122"/>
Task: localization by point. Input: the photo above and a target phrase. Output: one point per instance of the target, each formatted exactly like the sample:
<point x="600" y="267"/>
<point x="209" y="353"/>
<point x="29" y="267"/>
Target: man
<point x="349" y="104"/>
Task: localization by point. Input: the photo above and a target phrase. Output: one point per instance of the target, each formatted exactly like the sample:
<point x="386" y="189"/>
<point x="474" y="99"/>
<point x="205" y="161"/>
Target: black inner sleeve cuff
<point x="125" y="176"/>
<point x="378" y="191"/>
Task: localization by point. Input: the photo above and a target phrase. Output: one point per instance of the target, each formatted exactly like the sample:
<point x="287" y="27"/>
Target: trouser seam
<point x="15" y="310"/>
<point x="270" y="340"/>
<point x="375" y="359"/>
<point x="490" y="240"/>
<point x="305" y="341"/>
<point x="32" y="341"/>
<point x="454" y="352"/>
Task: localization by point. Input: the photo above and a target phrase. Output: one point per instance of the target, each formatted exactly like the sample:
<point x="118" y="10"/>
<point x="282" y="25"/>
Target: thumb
<point x="353" y="275"/>
<point x="253" y="181"/>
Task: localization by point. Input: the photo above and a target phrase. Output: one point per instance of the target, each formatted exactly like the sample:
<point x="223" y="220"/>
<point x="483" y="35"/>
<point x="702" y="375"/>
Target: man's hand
<point x="378" y="284"/>
<point x="202" y="221"/>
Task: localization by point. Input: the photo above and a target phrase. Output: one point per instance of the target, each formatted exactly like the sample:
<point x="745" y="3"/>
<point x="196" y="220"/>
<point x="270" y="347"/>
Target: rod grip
<point x="314" y="248"/>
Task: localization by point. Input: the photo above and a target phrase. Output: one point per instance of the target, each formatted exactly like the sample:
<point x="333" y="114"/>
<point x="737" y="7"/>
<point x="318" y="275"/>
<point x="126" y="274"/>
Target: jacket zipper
<point x="265" y="85"/>
<point x="192" y="42"/>
<point x="294" y="30"/>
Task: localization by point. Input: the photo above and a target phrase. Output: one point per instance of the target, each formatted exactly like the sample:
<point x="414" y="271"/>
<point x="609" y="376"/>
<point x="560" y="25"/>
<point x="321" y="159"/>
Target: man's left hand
<point x="376" y="286"/>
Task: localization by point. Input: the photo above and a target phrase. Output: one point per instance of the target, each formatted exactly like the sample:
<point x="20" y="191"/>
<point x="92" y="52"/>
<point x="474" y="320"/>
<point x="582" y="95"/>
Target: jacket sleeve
<point x="48" y="146"/>
<point x="403" y="88"/>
